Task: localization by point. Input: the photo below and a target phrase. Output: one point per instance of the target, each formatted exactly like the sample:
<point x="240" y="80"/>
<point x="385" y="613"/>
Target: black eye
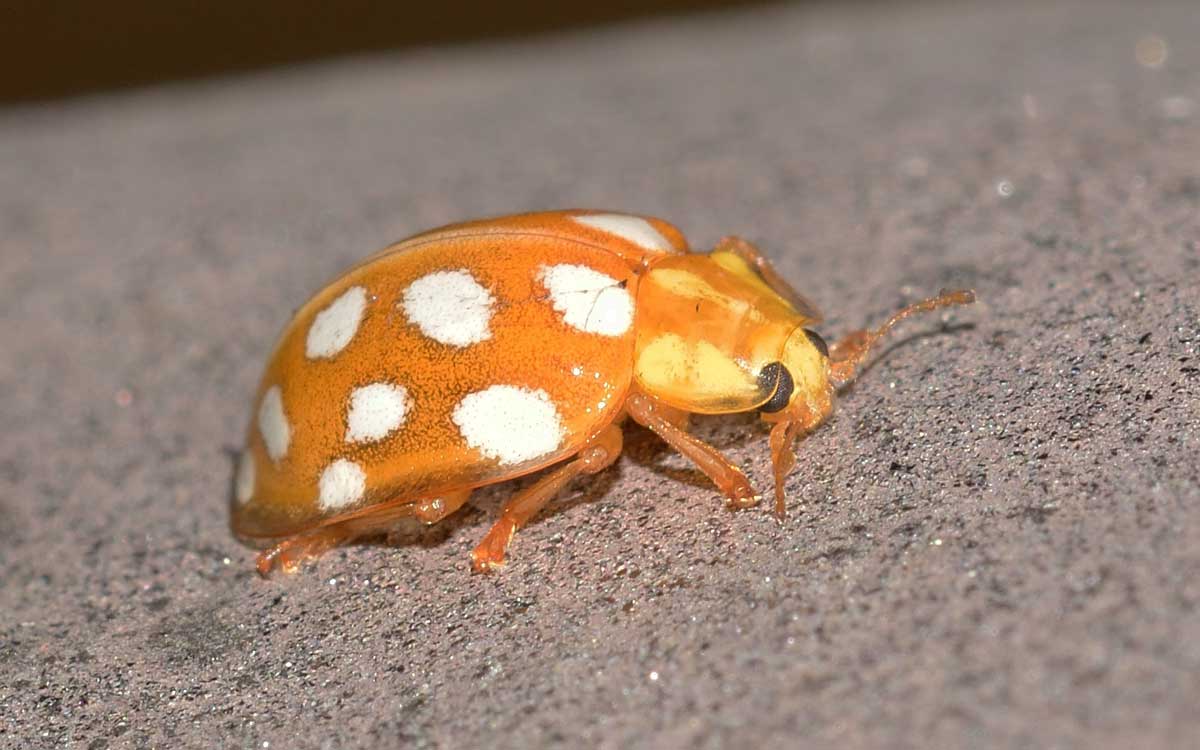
<point x="818" y="342"/>
<point x="776" y="376"/>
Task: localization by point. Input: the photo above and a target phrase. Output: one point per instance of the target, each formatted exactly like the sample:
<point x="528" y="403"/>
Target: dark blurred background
<point x="55" y="49"/>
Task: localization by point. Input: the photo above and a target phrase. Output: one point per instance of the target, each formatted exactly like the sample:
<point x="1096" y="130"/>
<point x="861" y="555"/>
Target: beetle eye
<point x="818" y="342"/>
<point x="776" y="375"/>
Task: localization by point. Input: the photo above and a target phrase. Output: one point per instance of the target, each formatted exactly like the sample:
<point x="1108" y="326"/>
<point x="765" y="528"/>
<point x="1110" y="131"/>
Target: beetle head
<point x="813" y="377"/>
<point x="803" y="398"/>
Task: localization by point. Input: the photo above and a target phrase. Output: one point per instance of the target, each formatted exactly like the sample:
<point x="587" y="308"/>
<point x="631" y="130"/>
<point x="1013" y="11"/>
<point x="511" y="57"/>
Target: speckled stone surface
<point x="995" y="543"/>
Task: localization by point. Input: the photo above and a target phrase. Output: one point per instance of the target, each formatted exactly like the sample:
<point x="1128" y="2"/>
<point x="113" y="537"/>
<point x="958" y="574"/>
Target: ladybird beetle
<point x="492" y="349"/>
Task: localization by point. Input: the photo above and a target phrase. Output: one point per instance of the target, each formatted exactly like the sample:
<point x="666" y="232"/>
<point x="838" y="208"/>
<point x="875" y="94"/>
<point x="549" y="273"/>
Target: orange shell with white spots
<point x="461" y="357"/>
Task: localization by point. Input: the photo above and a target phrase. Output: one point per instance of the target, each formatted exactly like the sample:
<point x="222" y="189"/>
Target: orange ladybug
<point x="487" y="350"/>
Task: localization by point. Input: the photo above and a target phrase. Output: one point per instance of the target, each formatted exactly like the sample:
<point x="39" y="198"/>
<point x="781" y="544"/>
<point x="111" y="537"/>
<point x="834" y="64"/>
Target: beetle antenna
<point x="847" y="354"/>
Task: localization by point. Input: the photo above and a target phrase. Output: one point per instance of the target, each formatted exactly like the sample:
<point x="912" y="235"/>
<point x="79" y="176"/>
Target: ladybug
<point x="487" y="350"/>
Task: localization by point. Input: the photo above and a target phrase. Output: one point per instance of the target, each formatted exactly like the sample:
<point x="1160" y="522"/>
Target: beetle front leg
<point x="750" y="253"/>
<point x="664" y="421"/>
<point x="598" y="454"/>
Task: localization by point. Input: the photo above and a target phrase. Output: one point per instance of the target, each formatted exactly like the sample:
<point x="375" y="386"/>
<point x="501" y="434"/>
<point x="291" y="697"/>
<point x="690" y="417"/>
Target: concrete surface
<point x="995" y="544"/>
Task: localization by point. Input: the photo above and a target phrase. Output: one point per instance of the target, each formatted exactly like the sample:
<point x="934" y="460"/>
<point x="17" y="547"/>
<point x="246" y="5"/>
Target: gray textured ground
<point x="995" y="543"/>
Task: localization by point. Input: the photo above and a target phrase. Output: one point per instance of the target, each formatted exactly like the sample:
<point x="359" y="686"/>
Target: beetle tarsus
<point x="289" y="554"/>
<point x="742" y="503"/>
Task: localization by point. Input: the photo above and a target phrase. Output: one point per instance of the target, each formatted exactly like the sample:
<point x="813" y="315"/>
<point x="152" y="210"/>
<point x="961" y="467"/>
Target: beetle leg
<point x="750" y="253"/>
<point x="783" y="457"/>
<point x="599" y="453"/>
<point x="663" y="421"/>
<point x="677" y="417"/>
<point x="433" y="509"/>
<point x="291" y="552"/>
<point x="288" y="554"/>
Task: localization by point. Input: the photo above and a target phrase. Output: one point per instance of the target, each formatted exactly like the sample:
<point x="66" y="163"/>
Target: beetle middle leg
<point x="598" y="454"/>
<point x="666" y="422"/>
<point x="431" y="510"/>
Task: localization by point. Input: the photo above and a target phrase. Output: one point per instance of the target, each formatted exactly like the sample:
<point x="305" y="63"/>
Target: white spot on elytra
<point x="342" y="483"/>
<point x="375" y="410"/>
<point x="449" y="307"/>
<point x="333" y="327"/>
<point x="589" y="300"/>
<point x="633" y="228"/>
<point x="273" y="424"/>
<point x="243" y="485"/>
<point x="509" y="423"/>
